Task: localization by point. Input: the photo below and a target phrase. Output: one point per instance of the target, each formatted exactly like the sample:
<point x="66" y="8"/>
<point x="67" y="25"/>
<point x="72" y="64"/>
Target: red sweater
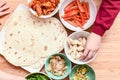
<point x="105" y="16"/>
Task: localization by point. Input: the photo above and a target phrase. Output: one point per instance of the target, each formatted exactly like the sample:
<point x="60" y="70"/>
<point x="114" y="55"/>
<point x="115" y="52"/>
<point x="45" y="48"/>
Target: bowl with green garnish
<point x="37" y="76"/>
<point x="82" y="72"/>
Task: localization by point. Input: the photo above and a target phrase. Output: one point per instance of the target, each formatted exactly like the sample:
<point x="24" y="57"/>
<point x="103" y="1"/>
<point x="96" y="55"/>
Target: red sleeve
<point x="105" y="16"/>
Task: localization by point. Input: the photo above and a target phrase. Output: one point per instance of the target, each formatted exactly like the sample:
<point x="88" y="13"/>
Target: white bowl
<point x="76" y="35"/>
<point x="46" y="16"/>
<point x="93" y="12"/>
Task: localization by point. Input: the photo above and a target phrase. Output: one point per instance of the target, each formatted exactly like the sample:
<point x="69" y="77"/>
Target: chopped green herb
<point x="37" y="76"/>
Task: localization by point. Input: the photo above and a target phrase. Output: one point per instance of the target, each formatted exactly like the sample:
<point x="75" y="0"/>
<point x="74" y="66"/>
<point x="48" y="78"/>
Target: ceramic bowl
<point x="76" y="36"/>
<point x="46" y="16"/>
<point x="92" y="9"/>
<point x="90" y="72"/>
<point x="37" y="76"/>
<point x="67" y="63"/>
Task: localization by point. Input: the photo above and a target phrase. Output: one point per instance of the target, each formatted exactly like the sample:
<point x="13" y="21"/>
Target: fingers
<point x="90" y="55"/>
<point x="4" y="13"/>
<point x="2" y="3"/>
<point x="4" y="8"/>
<point x="85" y="54"/>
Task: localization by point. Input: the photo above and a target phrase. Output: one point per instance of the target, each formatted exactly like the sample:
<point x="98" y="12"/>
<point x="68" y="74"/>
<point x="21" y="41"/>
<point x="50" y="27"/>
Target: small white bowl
<point x="46" y="16"/>
<point x="76" y="35"/>
<point x="87" y="25"/>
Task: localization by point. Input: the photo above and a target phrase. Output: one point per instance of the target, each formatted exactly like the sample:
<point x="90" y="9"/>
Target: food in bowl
<point x="37" y="76"/>
<point x="77" y="13"/>
<point x="57" y="66"/>
<point x="80" y="74"/>
<point x="76" y="36"/>
<point x="44" y="7"/>
<point x="76" y="47"/>
<point x="65" y="67"/>
<point x="88" y="23"/>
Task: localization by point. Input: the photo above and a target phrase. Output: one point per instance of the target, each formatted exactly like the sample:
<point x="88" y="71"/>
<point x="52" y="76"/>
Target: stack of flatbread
<point x="28" y="40"/>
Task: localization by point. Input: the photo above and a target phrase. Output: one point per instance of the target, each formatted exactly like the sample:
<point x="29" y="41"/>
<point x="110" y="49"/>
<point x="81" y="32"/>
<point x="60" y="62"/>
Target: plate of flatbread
<point x="27" y="41"/>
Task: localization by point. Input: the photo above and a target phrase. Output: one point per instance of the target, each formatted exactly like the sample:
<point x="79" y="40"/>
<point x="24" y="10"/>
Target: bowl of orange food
<point x="58" y="66"/>
<point x="77" y="15"/>
<point x="44" y="8"/>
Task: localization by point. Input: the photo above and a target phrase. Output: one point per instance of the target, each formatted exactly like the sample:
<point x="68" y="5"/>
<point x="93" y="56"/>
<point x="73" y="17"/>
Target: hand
<point x="9" y="76"/>
<point x="3" y="9"/>
<point x="92" y="46"/>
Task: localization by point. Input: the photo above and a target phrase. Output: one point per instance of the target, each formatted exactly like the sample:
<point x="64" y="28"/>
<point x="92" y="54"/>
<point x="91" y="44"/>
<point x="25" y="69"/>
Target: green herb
<point x="37" y="76"/>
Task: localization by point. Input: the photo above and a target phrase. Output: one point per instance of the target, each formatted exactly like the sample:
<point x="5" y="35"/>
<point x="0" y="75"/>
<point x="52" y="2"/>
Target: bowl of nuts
<point x="75" y="45"/>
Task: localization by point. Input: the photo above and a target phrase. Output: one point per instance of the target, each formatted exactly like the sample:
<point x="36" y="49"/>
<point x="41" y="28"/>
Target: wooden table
<point x="107" y="62"/>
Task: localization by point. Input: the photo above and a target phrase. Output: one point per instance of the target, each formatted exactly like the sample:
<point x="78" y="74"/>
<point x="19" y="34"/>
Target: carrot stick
<point x="82" y="18"/>
<point x="34" y="7"/>
<point x="72" y="23"/>
<point x="77" y="18"/>
<point x="32" y="3"/>
<point x="81" y="11"/>
<point x="87" y="9"/>
<point x="77" y="13"/>
<point x="80" y="6"/>
<point x="57" y="1"/>
<point x="68" y="18"/>
<point x="44" y="1"/>
<point x="38" y="9"/>
<point x="69" y="5"/>
<point x="72" y="13"/>
<point x="79" y="24"/>
<point x="41" y="1"/>
<point x="71" y="9"/>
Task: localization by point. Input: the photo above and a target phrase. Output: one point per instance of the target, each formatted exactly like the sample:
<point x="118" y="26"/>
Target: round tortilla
<point x="28" y="39"/>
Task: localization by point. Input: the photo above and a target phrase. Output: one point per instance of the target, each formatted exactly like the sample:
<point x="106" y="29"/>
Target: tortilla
<point x="29" y="39"/>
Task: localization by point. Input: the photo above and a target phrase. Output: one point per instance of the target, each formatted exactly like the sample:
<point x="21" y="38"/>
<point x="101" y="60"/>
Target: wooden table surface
<point x="107" y="62"/>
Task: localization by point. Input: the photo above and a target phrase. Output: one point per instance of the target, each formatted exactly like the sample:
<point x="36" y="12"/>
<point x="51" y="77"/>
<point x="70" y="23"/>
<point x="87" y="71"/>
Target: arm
<point x="106" y="15"/>
<point x="104" y="19"/>
<point x="6" y="76"/>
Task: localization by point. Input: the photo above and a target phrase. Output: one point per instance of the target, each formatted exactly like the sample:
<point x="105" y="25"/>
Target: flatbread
<point x="28" y="39"/>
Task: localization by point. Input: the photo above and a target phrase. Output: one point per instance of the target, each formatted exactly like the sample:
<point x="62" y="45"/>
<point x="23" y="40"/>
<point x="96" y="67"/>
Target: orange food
<point x="80" y="6"/>
<point x="43" y="7"/>
<point x="77" y="13"/>
<point x="69" y="5"/>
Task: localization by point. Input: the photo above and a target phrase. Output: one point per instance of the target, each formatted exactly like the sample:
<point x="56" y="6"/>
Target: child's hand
<point x="3" y="9"/>
<point x="92" y="46"/>
<point x="6" y="76"/>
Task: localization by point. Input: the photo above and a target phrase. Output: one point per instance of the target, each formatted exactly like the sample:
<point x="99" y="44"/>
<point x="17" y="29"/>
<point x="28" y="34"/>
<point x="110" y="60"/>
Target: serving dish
<point x="68" y="25"/>
<point x="59" y="59"/>
<point x="37" y="76"/>
<point x="49" y="15"/>
<point x="67" y="48"/>
<point x="82" y="71"/>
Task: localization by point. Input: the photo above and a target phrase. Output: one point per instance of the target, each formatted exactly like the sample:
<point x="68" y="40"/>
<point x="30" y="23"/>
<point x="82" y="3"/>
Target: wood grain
<point x="107" y="62"/>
